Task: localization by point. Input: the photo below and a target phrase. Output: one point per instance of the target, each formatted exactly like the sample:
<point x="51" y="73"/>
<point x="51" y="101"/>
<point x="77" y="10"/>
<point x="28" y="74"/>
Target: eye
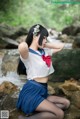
<point x="45" y="37"/>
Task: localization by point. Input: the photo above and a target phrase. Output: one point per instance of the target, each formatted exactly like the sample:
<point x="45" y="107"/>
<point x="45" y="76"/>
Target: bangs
<point x="43" y="33"/>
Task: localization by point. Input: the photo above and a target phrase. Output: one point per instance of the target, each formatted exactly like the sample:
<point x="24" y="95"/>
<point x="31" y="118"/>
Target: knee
<point x="60" y="115"/>
<point x="67" y="103"/>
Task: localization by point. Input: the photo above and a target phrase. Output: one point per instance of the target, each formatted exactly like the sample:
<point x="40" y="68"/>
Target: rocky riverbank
<point x="69" y="89"/>
<point x="64" y="82"/>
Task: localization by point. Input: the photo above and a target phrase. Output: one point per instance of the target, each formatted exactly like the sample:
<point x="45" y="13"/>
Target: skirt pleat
<point x="31" y="95"/>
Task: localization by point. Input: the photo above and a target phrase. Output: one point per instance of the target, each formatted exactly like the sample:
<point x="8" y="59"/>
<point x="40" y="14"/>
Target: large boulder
<point x="66" y="64"/>
<point x="76" y="43"/>
<point x="65" y="38"/>
<point x="7" y="98"/>
<point x="71" y="30"/>
<point x="7" y="87"/>
<point x="9" y="34"/>
<point x="10" y="61"/>
<point x="71" y="90"/>
<point x="12" y="32"/>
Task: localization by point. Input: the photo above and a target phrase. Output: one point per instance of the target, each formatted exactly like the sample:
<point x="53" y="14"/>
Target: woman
<point x="35" y="54"/>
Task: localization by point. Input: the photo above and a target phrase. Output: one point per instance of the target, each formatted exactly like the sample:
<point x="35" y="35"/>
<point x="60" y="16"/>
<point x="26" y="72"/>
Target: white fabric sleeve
<point x="24" y="60"/>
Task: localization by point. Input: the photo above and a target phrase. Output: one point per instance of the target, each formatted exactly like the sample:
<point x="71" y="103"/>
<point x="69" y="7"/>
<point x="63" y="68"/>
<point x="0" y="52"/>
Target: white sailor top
<point x="38" y="64"/>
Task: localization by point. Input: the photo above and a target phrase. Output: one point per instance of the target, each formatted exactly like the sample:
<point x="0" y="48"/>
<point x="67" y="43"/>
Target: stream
<point x="11" y="76"/>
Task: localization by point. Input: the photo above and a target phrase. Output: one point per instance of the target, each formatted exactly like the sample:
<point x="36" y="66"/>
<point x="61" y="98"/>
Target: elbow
<point x="23" y="50"/>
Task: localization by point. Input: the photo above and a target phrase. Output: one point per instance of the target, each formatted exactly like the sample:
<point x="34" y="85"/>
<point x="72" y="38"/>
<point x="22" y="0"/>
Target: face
<point x="43" y="42"/>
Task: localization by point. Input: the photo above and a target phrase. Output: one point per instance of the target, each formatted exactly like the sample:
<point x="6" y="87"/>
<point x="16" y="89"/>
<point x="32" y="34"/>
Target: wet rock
<point x="10" y="61"/>
<point x="7" y="87"/>
<point x="71" y="30"/>
<point x="76" y="99"/>
<point x="53" y="33"/>
<point x="8" y="43"/>
<point x="71" y="85"/>
<point x="8" y="97"/>
<point x="76" y="43"/>
<point x="9" y="34"/>
<point x="66" y="64"/>
<point x="7" y="100"/>
<point x="71" y="89"/>
<point x="73" y="115"/>
<point x="65" y="38"/>
<point x="12" y="32"/>
<point x="9" y="103"/>
<point x="51" y="90"/>
<point x="16" y="114"/>
<point x="2" y="96"/>
<point x="21" y="38"/>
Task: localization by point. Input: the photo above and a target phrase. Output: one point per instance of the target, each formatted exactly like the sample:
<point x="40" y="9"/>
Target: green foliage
<point x="27" y="12"/>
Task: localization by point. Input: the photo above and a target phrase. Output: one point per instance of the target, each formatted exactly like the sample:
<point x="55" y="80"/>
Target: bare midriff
<point x="41" y="80"/>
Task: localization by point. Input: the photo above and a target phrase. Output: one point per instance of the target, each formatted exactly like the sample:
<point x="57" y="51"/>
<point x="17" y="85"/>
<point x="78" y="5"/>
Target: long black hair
<point x="43" y="32"/>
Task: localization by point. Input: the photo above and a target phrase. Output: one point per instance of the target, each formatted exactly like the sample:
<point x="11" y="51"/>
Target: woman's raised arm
<point x="55" y="46"/>
<point x="23" y="50"/>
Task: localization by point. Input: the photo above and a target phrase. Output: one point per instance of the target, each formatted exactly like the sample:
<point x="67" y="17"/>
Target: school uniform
<point x="38" y="64"/>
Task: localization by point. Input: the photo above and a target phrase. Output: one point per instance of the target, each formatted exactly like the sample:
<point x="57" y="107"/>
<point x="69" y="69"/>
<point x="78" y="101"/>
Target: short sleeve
<point x="24" y="60"/>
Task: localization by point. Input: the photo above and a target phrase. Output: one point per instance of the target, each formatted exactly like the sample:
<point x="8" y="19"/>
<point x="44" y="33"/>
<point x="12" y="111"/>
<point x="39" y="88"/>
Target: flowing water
<point x="10" y="76"/>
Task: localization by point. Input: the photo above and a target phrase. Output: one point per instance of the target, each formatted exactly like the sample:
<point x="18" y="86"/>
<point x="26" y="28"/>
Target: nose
<point x="45" y="40"/>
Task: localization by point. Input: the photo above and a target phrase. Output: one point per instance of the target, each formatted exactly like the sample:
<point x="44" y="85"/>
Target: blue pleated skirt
<point x="31" y="95"/>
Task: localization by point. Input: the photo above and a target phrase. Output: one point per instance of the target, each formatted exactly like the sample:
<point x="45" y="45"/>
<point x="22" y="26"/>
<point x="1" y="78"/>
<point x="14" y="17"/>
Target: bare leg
<point x="41" y="115"/>
<point x="47" y="106"/>
<point x="47" y="110"/>
<point x="61" y="102"/>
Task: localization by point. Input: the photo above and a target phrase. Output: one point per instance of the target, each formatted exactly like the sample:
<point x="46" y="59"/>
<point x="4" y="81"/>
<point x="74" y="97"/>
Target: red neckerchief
<point x="47" y="59"/>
